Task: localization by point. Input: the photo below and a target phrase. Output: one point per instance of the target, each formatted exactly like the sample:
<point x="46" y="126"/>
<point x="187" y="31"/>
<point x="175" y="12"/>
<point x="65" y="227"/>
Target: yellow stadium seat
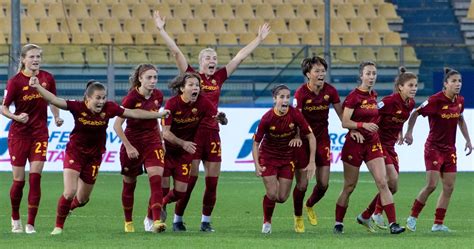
<point x="224" y="11"/>
<point x="69" y="25"/>
<point x="365" y="54"/>
<point x="223" y="56"/>
<point x="112" y="26"/>
<point x="264" y="11"/>
<point x="314" y="2"/>
<point x="254" y="25"/>
<point x="386" y="56"/>
<point x="305" y="11"/>
<point x="244" y="11"/>
<point x="320" y="10"/>
<point x="298" y="25"/>
<point x="192" y="2"/>
<point x="5" y="23"/>
<point x="372" y="38"/>
<point x="274" y="2"/>
<point x="213" y="2"/>
<point x="59" y="38"/>
<point x="359" y="25"/>
<point x="350" y="39"/>
<point x="228" y="39"/>
<point x="142" y="11"/>
<point x="470" y="11"/>
<point x="311" y="38"/>
<point x="278" y="25"/>
<point x="28" y="25"/>
<point x="246" y="38"/>
<point x="295" y="2"/>
<point x="3" y="40"/>
<point x="133" y="2"/>
<point x="150" y="26"/>
<point x="133" y="26"/>
<point x="136" y="55"/>
<point x="89" y="2"/>
<point x="119" y="56"/>
<point x="123" y="38"/>
<point x="99" y="11"/>
<point x="409" y="56"/>
<point x="290" y="39"/>
<point x="252" y="2"/>
<point x="144" y="39"/>
<point x="182" y="11"/>
<point x="237" y="26"/>
<point x="80" y="38"/>
<point x="57" y="10"/>
<point x="335" y="40"/>
<point x="106" y="2"/>
<point x="207" y="39"/>
<point x="375" y="2"/>
<point x="387" y="10"/>
<point x="195" y="26"/>
<point x="173" y="25"/>
<point x="101" y="38"/>
<point x="91" y="26"/>
<point x="185" y="39"/>
<point x="165" y="10"/>
<point x="285" y="11"/>
<point x="51" y="54"/>
<point x="272" y="39"/>
<point x="346" y="10"/>
<point x="262" y="55"/>
<point x="151" y="2"/>
<point x="316" y="51"/>
<point x="48" y="25"/>
<point x="317" y="25"/>
<point x="36" y="10"/>
<point x="233" y="2"/>
<point x="216" y="26"/>
<point x="95" y="55"/>
<point x="367" y="11"/>
<point x="355" y="2"/>
<point x="78" y="10"/>
<point x="343" y="55"/>
<point x="392" y="38"/>
<point x="159" y="55"/>
<point x="339" y="25"/>
<point x="379" y="24"/>
<point x="203" y="11"/>
<point x="37" y="38"/>
<point x="120" y="11"/>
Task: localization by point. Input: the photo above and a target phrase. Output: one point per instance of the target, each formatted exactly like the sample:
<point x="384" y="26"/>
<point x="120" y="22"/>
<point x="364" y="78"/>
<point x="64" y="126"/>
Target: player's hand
<point x="357" y="136"/>
<point x="259" y="170"/>
<point x="164" y="114"/>
<point x="408" y="139"/>
<point x="295" y="142"/>
<point x="132" y="152"/>
<point x="34" y="82"/>
<point x="468" y="148"/>
<point x="221" y="118"/>
<point x="22" y="118"/>
<point x="263" y="31"/>
<point x="159" y="21"/>
<point x="310" y="170"/>
<point x="59" y="121"/>
<point x="189" y="147"/>
<point x="400" y="139"/>
<point x="370" y="127"/>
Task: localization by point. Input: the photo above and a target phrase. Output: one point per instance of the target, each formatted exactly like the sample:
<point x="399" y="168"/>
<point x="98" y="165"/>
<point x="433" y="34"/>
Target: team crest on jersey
<point x="102" y="115"/>
<point x="460" y="106"/>
<point x="13" y="158"/>
<point x="272" y="128"/>
<point x="178" y="113"/>
<point x="445" y="107"/>
<point x="291" y="125"/>
<point x="364" y="101"/>
<point x="71" y="161"/>
<point x="44" y="84"/>
<point x="84" y="114"/>
<point x="399" y="112"/>
<point x="326" y="97"/>
<point x="309" y="101"/>
<point x="156" y="102"/>
<point x="213" y="81"/>
<point x="379" y="104"/>
<point x="194" y="110"/>
<point x="25" y="88"/>
<point x="435" y="163"/>
<point x="349" y="157"/>
<point x="125" y="169"/>
<point x="138" y="105"/>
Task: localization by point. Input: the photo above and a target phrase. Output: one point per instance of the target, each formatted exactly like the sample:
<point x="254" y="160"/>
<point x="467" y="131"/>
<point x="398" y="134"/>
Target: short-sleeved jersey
<point x="315" y="107"/>
<point x="443" y="115"/>
<point x="364" y="104"/>
<point x="185" y="118"/>
<point x="211" y="89"/>
<point x="276" y="131"/>
<point x="89" y="133"/>
<point x="28" y="100"/>
<point x="393" y="112"/>
<point x="143" y="130"/>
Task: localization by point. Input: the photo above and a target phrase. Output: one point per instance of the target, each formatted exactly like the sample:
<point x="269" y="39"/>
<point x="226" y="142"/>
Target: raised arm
<point x="132" y="152"/>
<point x="263" y="32"/>
<point x="408" y="138"/>
<point x="181" y="61"/>
<point x="142" y="114"/>
<point x="47" y="95"/>
<point x="463" y="126"/>
<point x="169" y="136"/>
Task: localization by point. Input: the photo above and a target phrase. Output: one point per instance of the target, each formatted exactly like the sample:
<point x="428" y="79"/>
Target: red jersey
<point x="276" y="131"/>
<point x="364" y="104"/>
<point x="211" y="89"/>
<point x="28" y="100"/>
<point x="143" y="130"/>
<point x="185" y="118"/>
<point x="315" y="107"/>
<point x="393" y="112"/>
<point x="90" y="129"/>
<point x="443" y="116"/>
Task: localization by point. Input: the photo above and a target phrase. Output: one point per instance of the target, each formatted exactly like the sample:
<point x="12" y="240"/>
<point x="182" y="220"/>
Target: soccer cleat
<point x="299" y="224"/>
<point x="148" y="224"/>
<point x="411" y="223"/>
<point x="29" y="229"/>
<point x="396" y="229"/>
<point x="158" y="226"/>
<point x="128" y="227"/>
<point x="57" y="231"/>
<point x="16" y="226"/>
<point x="367" y="223"/>
<point x="377" y="219"/>
<point x="440" y="228"/>
<point x="179" y="227"/>
<point x="338" y="229"/>
<point x="206" y="227"/>
<point x="312" y="217"/>
<point x="267" y="228"/>
<point x="163" y="214"/>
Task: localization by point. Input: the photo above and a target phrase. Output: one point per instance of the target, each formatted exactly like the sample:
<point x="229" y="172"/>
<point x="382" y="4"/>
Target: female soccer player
<point x="313" y="100"/>
<point x="360" y="112"/>
<point x="445" y="111"/>
<point x="208" y="141"/>
<point x="142" y="146"/>
<point x="272" y="151"/>
<point x="28" y="134"/>
<point x="394" y="110"/>
<point x="86" y="142"/>
<point x="187" y="110"/>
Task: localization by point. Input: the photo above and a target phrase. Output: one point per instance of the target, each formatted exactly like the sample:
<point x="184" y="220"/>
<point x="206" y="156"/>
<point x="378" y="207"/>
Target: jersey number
<point x="41" y="148"/>
<point x="160" y="154"/>
<point x="216" y="148"/>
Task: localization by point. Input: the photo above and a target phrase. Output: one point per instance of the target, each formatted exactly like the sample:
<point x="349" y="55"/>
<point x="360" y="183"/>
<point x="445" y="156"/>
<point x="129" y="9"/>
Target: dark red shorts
<point x="150" y="155"/>
<point x="391" y="157"/>
<point x="441" y="161"/>
<point x="278" y="168"/>
<point x="31" y="149"/>
<point x="355" y="153"/>
<point x="323" y="153"/>
<point x="178" y="165"/>
<point x="87" y="166"/>
<point x="208" y="145"/>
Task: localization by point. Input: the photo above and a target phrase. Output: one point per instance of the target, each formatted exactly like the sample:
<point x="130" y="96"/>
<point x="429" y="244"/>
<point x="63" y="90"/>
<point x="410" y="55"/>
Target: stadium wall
<point x="237" y="143"/>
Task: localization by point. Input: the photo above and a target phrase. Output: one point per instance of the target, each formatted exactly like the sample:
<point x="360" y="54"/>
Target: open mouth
<point x="284" y="105"/>
<point x="194" y="94"/>
<point x="212" y="67"/>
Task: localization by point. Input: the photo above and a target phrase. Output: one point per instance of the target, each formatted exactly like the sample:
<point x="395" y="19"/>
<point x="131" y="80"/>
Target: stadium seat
<point x="95" y="55"/>
<point x="36" y="10"/>
<point x="379" y="24"/>
<point x="346" y="10"/>
<point x="28" y="25"/>
<point x="112" y="25"/>
<point x="470" y="11"/>
<point x="343" y="55"/>
<point x="290" y="39"/>
<point x="173" y="25"/>
<point x="252" y="2"/>
<point x="91" y="26"/>
<point x="119" y="56"/>
<point x="5" y="23"/>
<point x="207" y="39"/>
<point x="120" y="11"/>
<point x="365" y="54"/>
<point x="101" y="38"/>
<point x="320" y="10"/>
<point x="150" y="26"/>
<point x="228" y="39"/>
<point x="223" y="56"/>
<point x="366" y="11"/>
<point x="158" y="55"/>
<point x="182" y="11"/>
<point x="285" y="11"/>
<point x="3" y="40"/>
<point x="59" y="38"/>
<point x="214" y="2"/>
<point x="48" y="25"/>
<point x="216" y="26"/>
<point x="244" y="11"/>
<point x="298" y="25"/>
<point x="192" y="2"/>
<point x="392" y="38"/>
<point x="133" y="26"/>
<point x="359" y="25"/>
<point x="78" y="10"/>
<point x="80" y="38"/>
<point x="375" y="2"/>
<point x="317" y="25"/>
<point x="142" y="11"/>
<point x="315" y="2"/>
<point x="136" y="55"/>
<point x="133" y="2"/>
<point x="107" y="2"/>
<point x="89" y="2"/>
<point x="283" y="55"/>
<point x="409" y="56"/>
<point x="164" y="10"/>
<point x="195" y="26"/>
<point x="262" y="55"/>
<point x="51" y="54"/>
<point x="99" y="11"/>
<point x="305" y="11"/>
<point x="233" y="2"/>
<point x="37" y="38"/>
<point x="224" y="11"/>
<point x="311" y="38"/>
<point x="57" y="10"/>
<point x="351" y="39"/>
<point x="69" y="25"/>
<point x="203" y="11"/>
<point x="274" y="2"/>
<point x="144" y="39"/>
<point x="185" y="39"/>
<point x="316" y="51"/>
<point x="339" y="25"/>
<point x="372" y="38"/>
<point x="264" y="11"/>
<point x="387" y="10"/>
<point x="278" y="25"/>
<point x="246" y="38"/>
<point x="237" y="26"/>
<point x="254" y="25"/>
<point x="337" y="2"/>
<point x="272" y="39"/>
<point x="386" y="56"/>
<point x="335" y="40"/>
<point x="123" y="38"/>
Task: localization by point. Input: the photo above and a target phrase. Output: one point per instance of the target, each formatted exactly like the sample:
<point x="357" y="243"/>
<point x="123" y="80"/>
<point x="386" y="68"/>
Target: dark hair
<point x="180" y="80"/>
<point x="23" y="52"/>
<point x="134" y="78"/>
<point x="308" y="63"/>
<point x="448" y="72"/>
<point x="402" y="77"/>
<point x="92" y="86"/>
<point x="278" y="88"/>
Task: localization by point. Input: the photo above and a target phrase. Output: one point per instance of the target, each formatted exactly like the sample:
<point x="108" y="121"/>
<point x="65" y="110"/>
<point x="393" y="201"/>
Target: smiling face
<point x="190" y="90"/>
<point x="408" y="88"/>
<point x="316" y="76"/>
<point x="148" y="79"/>
<point x="96" y="101"/>
<point x="453" y="84"/>
<point x="32" y="60"/>
<point x="368" y="76"/>
<point x="282" y="101"/>
<point x="208" y="62"/>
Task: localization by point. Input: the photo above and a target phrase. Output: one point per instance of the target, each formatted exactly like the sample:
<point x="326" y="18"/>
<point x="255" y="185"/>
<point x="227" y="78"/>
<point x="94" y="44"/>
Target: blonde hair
<point x="23" y="52"/>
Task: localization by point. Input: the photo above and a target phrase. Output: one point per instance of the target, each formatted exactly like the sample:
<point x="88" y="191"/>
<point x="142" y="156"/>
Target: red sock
<point x="76" y="204"/>
<point x="340" y="213"/>
<point x="378" y="207"/>
<point x="64" y="205"/>
<point x="268" y="207"/>
<point x="128" y="190"/>
<point x="390" y="212"/>
<point x="156" y="196"/>
<point x="439" y="216"/>
<point x="416" y="209"/>
<point x="16" y="192"/>
<point x="370" y="209"/>
<point x="164" y="192"/>
<point x="34" y="196"/>
<point x="210" y="195"/>
<point x="183" y="203"/>
<point x="317" y="194"/>
<point x="298" y="197"/>
<point x="173" y="196"/>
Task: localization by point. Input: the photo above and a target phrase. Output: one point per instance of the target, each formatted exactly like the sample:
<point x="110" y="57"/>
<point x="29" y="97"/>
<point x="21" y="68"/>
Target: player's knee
<point x="69" y="195"/>
<point x="272" y="196"/>
<point x="349" y="188"/>
<point x="448" y="189"/>
<point x="430" y="188"/>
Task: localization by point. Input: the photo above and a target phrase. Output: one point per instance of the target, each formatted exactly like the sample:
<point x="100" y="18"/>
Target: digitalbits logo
<point x="246" y="150"/>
